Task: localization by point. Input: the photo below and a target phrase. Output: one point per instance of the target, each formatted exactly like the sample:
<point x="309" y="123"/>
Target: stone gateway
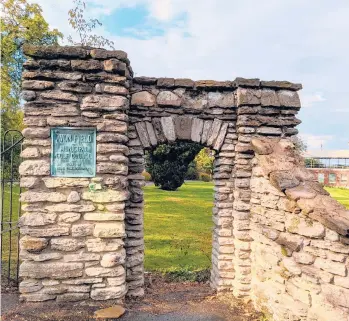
<point x="278" y="238"/>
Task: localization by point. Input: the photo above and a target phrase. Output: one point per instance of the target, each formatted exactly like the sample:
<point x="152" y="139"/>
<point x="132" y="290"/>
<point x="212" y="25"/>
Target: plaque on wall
<point x="73" y="152"/>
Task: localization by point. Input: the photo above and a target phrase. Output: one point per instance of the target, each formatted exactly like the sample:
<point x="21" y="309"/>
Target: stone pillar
<point x="264" y="108"/>
<point x="73" y="230"/>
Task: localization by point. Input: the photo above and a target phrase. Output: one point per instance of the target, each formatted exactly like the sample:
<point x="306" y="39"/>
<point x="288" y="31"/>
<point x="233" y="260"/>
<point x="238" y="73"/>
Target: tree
<point x="204" y="161"/>
<point x="299" y="144"/>
<point x="21" y="23"/>
<point x="84" y="28"/>
<point x="168" y="164"/>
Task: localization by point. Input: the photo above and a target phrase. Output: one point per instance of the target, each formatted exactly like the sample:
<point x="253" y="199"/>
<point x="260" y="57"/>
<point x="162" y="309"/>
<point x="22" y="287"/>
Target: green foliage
<point x="21" y="23"/>
<point x="205" y="177"/>
<point x="84" y="27"/>
<point x="204" y="161"/>
<point x="146" y="176"/>
<point x="186" y="274"/>
<point x="168" y="164"/>
<point x="192" y="173"/>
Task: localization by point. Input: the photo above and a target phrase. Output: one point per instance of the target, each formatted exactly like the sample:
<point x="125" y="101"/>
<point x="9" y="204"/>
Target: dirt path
<point x="163" y="302"/>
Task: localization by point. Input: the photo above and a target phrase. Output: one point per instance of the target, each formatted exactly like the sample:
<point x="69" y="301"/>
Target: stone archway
<point x="83" y="237"/>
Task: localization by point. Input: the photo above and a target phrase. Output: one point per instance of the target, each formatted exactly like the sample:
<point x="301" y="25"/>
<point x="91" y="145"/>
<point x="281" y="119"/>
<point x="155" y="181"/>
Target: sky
<point x="295" y="40"/>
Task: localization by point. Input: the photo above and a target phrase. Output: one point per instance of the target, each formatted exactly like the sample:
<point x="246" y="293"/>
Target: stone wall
<point x="83" y="238"/>
<point x="73" y="230"/>
<point x="300" y="248"/>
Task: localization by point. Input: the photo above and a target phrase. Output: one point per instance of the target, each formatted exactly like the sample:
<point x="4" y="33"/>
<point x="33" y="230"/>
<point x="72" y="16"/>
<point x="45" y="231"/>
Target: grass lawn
<point x="178" y="227"/>
<point x="7" y="255"/>
<point x="340" y="194"/>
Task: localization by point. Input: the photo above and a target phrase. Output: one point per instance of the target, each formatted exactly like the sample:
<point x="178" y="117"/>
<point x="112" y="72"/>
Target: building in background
<point x="331" y="168"/>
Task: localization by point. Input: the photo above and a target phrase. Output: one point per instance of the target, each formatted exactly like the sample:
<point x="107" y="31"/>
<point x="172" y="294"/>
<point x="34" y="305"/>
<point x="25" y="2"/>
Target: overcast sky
<point x="295" y="40"/>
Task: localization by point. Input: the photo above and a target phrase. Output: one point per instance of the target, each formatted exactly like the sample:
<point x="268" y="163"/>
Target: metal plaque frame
<point x="90" y="172"/>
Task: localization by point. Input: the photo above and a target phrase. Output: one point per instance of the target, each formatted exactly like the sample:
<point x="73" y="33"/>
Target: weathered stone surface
<point x="113" y="312"/>
<point x="54" y="182"/>
<point x="59" y="95"/>
<point x="336" y="295"/>
<point x="46" y="231"/>
<point x="168" y="98"/>
<point x="52" y="52"/>
<point x="105" y="196"/>
<point x="224" y="100"/>
<point x="75" y="86"/>
<point x="269" y="98"/>
<point x="66" y="244"/>
<point x="100" y="102"/>
<point x="151" y="134"/>
<point x="31" y="152"/>
<point x="298" y="225"/>
<point x="37" y="84"/>
<point x="69" y="217"/>
<point x="246" y="96"/>
<point x="73" y="197"/>
<point x="102" y="271"/>
<point x="166" y="82"/>
<point x="281" y="85"/>
<point x="212" y="84"/>
<point x="330" y="266"/>
<point x="54" y="270"/>
<point x="33" y="244"/>
<point x="214" y="131"/>
<point x="79" y="230"/>
<point x="158" y="130"/>
<point x="183" y="127"/>
<point x="103" y="245"/>
<point x="108" y="230"/>
<point x="32" y="197"/>
<point x="220" y="138"/>
<point x="34" y="167"/>
<point x="168" y="128"/>
<point x="104" y="216"/>
<point x="205" y="131"/>
<point x="70" y="208"/>
<point x="28" y="95"/>
<point x="108" y="293"/>
<point x="289" y="98"/>
<point x="143" y="134"/>
<point x="86" y="65"/>
<point x="105" y="54"/>
<point x="196" y="130"/>
<point x="283" y="180"/>
<point x="145" y="80"/>
<point x="116" y="90"/>
<point x="184" y="82"/>
<point x="115" y="66"/>
<point x="28" y="286"/>
<point x="293" y="242"/>
<point x="38" y="297"/>
<point x="113" y="259"/>
<point x="37" y="219"/>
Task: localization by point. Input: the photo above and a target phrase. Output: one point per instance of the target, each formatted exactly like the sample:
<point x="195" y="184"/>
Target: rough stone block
<point x="168" y="128"/>
<point x="183" y="127"/>
<point x="143" y="98"/>
<point x="109" y="230"/>
<point x="168" y="98"/>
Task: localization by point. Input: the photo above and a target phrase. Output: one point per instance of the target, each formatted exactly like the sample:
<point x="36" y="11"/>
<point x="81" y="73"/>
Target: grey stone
<point x="28" y="286"/>
<point x="183" y="127"/>
<point x="107" y="293"/>
<point x="75" y="86"/>
<point x="109" y="230"/>
<point x="100" y="102"/>
<point x="151" y="134"/>
<point x="205" y="131"/>
<point x="79" y="230"/>
<point x="143" y="134"/>
<point x="158" y="130"/>
<point x="34" y="168"/>
<point x="102" y="271"/>
<point x="54" y="270"/>
<point x="214" y="131"/>
<point x="196" y="130"/>
<point x="33" y="244"/>
<point x="59" y="95"/>
<point x="220" y="138"/>
<point x="73" y="197"/>
<point x="168" y="98"/>
<point x="168" y="128"/>
<point x="37" y="84"/>
<point x="66" y="244"/>
<point x="289" y="98"/>
<point x="86" y="65"/>
<point x="45" y="232"/>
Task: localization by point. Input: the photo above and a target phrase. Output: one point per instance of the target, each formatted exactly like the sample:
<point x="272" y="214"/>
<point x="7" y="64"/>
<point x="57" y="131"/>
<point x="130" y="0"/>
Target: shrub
<point x="205" y="177"/>
<point x="168" y="164"/>
<point x="192" y="173"/>
<point x="146" y="176"/>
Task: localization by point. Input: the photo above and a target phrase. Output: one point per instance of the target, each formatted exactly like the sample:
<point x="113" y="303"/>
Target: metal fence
<point x="10" y="206"/>
<point x="327" y="162"/>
